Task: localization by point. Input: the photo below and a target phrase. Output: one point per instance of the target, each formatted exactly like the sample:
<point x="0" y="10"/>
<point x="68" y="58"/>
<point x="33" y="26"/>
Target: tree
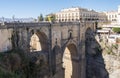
<point x="40" y="18"/>
<point x="46" y="18"/>
<point x="50" y="18"/>
<point x="117" y="30"/>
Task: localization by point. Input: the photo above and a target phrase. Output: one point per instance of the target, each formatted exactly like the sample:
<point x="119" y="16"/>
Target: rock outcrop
<point x="112" y="63"/>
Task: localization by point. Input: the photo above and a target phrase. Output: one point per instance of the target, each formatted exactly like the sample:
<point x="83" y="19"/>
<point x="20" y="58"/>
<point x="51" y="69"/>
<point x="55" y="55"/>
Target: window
<point x="109" y="16"/>
<point x="62" y="15"/>
<point x="59" y="15"/>
<point x="72" y="14"/>
<point x="112" y="16"/>
<point x="76" y="14"/>
<point x="65" y="15"/>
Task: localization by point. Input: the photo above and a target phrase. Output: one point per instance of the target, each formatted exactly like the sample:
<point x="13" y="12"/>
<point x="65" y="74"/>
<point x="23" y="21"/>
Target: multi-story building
<point x="70" y="14"/>
<point x="102" y="17"/>
<point x="82" y="14"/>
<point x="112" y="16"/>
<point x="119" y="14"/>
<point x="79" y="14"/>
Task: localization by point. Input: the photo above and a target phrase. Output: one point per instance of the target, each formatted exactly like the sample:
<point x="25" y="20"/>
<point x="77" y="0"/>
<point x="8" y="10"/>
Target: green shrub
<point x="109" y="49"/>
<point x="99" y="28"/>
<point x="13" y="61"/>
<point x="7" y="74"/>
<point x="115" y="46"/>
<point x="17" y="64"/>
<point x="117" y="30"/>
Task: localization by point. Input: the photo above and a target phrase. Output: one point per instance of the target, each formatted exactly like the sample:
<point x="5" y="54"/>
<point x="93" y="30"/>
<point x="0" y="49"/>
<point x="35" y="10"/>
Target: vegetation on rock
<point x="18" y="64"/>
<point x="117" y="30"/>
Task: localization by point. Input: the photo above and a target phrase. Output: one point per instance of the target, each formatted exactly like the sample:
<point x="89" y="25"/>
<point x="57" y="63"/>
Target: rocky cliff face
<point x="111" y="57"/>
<point x="95" y="65"/>
<point x="95" y="62"/>
<point x="112" y="63"/>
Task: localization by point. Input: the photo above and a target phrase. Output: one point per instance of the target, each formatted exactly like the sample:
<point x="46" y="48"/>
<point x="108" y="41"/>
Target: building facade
<point x="119" y="14"/>
<point x="102" y="17"/>
<point x="79" y="14"/>
<point x="113" y="16"/>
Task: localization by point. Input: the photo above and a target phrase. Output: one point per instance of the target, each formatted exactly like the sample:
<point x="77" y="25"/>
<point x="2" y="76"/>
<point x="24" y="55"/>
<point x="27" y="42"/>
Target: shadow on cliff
<point x="95" y="66"/>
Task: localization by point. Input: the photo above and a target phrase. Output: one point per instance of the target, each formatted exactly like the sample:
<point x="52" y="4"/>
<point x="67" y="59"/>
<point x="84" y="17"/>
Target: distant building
<point x="113" y="16"/>
<point x="79" y="14"/>
<point x="113" y="38"/>
<point x="119" y="14"/>
<point x="102" y="17"/>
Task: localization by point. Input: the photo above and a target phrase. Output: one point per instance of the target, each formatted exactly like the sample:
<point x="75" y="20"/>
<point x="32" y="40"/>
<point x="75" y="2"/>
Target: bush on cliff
<point x="117" y="30"/>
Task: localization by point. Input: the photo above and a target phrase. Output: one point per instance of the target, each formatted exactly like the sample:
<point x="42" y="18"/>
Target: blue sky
<point x="33" y="8"/>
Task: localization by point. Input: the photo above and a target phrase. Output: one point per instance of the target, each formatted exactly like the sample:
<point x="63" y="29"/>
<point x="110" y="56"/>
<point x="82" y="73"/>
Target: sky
<point x="33" y="8"/>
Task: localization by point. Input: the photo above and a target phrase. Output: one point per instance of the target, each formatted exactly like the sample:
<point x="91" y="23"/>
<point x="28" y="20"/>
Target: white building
<point x="78" y="14"/>
<point x="119" y="14"/>
<point x="102" y="17"/>
<point x="114" y="16"/>
<point x="113" y="38"/>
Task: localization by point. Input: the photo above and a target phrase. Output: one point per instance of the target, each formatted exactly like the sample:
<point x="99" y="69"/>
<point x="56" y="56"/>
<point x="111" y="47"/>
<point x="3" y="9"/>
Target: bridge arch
<point x="38" y="41"/>
<point x="70" y="61"/>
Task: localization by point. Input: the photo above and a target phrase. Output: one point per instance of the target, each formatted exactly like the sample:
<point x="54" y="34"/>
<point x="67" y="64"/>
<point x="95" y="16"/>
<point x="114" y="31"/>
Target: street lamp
<point x="3" y="21"/>
<point x="13" y="18"/>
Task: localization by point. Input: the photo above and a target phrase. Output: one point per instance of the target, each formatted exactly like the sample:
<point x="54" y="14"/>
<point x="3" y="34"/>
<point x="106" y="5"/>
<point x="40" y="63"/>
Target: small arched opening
<point x="38" y="42"/>
<point x="35" y="44"/>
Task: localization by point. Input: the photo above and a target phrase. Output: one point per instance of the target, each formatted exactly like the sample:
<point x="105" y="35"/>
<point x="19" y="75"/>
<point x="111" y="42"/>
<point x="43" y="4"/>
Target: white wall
<point x="119" y="14"/>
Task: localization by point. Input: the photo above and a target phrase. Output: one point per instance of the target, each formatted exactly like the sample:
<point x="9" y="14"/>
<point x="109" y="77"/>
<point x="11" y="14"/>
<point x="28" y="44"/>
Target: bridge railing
<point x="23" y="24"/>
<point x="37" y="24"/>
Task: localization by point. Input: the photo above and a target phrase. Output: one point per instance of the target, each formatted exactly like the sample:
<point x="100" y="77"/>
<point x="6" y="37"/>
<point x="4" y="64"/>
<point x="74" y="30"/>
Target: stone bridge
<point x="54" y="38"/>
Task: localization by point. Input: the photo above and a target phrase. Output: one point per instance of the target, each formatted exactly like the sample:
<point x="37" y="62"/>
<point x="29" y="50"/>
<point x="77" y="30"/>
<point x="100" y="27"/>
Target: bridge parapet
<point x="37" y="24"/>
<point x="66" y="23"/>
<point x="20" y="24"/>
